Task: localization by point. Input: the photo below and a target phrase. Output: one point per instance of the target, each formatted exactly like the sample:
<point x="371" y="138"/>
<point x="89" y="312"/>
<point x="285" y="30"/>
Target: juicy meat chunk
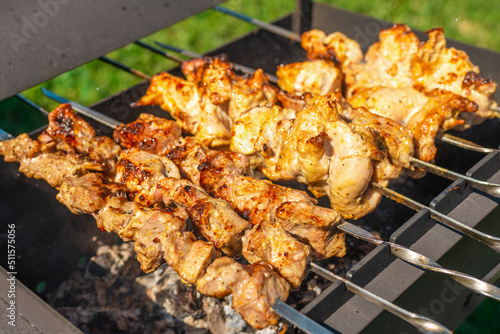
<point x="317" y="77"/>
<point x="54" y="167"/>
<point x="254" y="295"/>
<point x="270" y="243"/>
<point x="335" y="47"/>
<point x="140" y="171"/>
<point x="70" y="131"/>
<point x="193" y="110"/>
<point x="72" y="134"/>
<point x="220" y="277"/>
<point x="214" y="218"/>
<point x="255" y="289"/>
<point x="147" y="227"/>
<point x="149" y="133"/>
<point x="84" y="194"/>
<point x="314" y="226"/>
<point x="187" y="256"/>
<point x="19" y="148"/>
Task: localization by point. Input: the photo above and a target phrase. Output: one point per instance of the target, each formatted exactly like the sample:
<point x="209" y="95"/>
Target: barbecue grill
<point x="47" y="233"/>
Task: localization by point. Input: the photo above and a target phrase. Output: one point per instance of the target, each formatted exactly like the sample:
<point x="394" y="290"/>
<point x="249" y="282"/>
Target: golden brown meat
<point x="74" y="135"/>
<point x="254" y="295"/>
<point x="317" y="77"/>
<point x="314" y="146"/>
<point x="192" y="109"/>
<point x="49" y="165"/>
<point x="149" y="133"/>
<point x="335" y="47"/>
<point x="205" y="104"/>
<point x="269" y="242"/>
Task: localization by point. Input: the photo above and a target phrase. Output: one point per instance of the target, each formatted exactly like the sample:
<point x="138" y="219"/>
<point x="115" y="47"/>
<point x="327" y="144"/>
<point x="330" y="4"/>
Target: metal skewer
<point x="4" y="135"/>
<point x="491" y="241"/>
<point x="466" y="144"/>
<point x="449" y="139"/>
<point x="423" y="324"/>
<point x="402" y="252"/>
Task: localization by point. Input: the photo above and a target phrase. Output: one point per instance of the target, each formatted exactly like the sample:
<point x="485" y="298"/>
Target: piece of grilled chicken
<point x="151" y="179"/>
<point x="159" y="231"/>
<point x="424" y="85"/>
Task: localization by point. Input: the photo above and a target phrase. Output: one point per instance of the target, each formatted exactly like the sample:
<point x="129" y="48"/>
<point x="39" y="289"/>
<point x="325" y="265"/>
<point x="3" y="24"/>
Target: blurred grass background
<point x="472" y="21"/>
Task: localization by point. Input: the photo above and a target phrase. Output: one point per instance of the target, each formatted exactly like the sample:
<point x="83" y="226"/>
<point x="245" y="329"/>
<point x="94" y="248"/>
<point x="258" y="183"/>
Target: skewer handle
<point x="492" y="189"/>
<point x="264" y="25"/>
<point x="424" y="262"/>
<point x="423" y="324"/>
<point x="466" y="144"/>
<point x="492" y="241"/>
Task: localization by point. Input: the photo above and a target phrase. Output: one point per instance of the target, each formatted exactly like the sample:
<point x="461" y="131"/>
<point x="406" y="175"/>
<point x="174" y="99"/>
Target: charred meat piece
<point x="149" y="133"/>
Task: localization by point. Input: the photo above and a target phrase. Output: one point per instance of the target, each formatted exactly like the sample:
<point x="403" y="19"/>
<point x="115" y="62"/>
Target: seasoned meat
<point x="149" y="133"/>
<point x="255" y="289"/>
<point x="187" y="256"/>
<point x="318" y="77"/>
<point x="269" y="242"/>
<point x="206" y="103"/>
<point x="220" y="277"/>
<point x="70" y="131"/>
<point x="72" y="134"/>
<point x="336" y="47"/>
<point x="192" y="109"/>
<point x="314" y="226"/>
<point x="214" y="218"/>
<point x="84" y="194"/>
<point x="314" y="146"/>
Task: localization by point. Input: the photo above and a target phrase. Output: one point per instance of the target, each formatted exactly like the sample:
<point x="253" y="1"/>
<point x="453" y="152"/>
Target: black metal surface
<point x="42" y="39"/>
<point x="51" y="235"/>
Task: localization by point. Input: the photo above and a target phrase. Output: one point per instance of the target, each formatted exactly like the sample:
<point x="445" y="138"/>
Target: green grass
<point x="471" y="21"/>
